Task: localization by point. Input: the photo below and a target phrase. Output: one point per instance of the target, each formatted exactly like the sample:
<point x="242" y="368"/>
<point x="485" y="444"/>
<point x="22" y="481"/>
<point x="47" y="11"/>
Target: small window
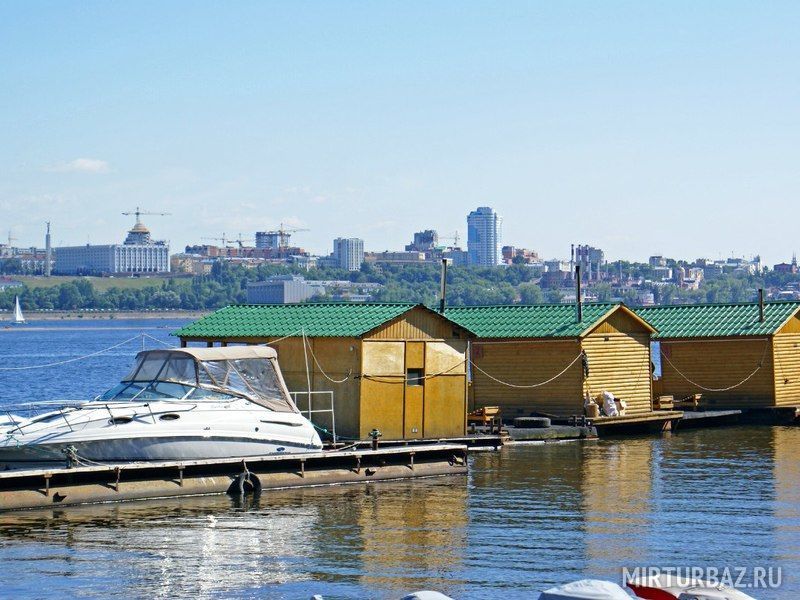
<point x="415" y="377"/>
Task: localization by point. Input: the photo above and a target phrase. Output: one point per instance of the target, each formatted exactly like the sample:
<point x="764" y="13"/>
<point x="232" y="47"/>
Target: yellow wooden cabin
<point x="533" y="358"/>
<point x="397" y="368"/>
<point x="733" y="354"/>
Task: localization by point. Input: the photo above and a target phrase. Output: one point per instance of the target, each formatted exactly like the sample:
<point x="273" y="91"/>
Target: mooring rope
<point x="402" y="378"/>
<point x="535" y="385"/>
<point x="726" y="389"/>
<point x="141" y="336"/>
<point x="70" y="360"/>
<point x="307" y="344"/>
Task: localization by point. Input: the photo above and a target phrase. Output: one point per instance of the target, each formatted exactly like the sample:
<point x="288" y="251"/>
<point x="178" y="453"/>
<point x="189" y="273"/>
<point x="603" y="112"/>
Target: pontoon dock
<point x="47" y="487"/>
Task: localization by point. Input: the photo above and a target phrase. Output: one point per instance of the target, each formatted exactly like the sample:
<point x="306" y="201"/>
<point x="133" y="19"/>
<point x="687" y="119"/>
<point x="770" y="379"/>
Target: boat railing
<point x="309" y="410"/>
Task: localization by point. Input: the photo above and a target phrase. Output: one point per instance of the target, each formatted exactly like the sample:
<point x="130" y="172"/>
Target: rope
<point x="403" y="380"/>
<point x="286" y="337"/>
<point x="155" y="339"/>
<point x="63" y="362"/>
<point x="535" y="385"/>
<point x="316" y="362"/>
<point x="706" y="389"/>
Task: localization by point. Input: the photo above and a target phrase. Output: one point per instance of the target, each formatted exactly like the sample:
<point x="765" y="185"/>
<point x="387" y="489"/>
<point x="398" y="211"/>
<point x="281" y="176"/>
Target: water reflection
<point x="391" y="537"/>
<point x="526" y="518"/>
<point x="617" y="503"/>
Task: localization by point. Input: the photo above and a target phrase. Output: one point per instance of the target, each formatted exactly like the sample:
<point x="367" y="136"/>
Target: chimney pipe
<point x="760" y="305"/>
<point x="578" y="300"/>
<point x="443" y="290"/>
<point x="48" y="252"/>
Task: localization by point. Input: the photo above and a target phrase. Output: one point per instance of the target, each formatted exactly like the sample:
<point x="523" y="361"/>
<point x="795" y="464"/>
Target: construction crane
<point x="241" y="241"/>
<point x="138" y="212"/>
<point x="10" y="238"/>
<point x="225" y="240"/>
<point x="454" y="237"/>
<point x="279" y="238"/>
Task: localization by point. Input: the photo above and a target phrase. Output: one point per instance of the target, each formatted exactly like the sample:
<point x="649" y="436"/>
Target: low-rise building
<point x="139" y="253"/>
<point x="397" y="368"/>
<point x="729" y="353"/>
<point x="544" y="359"/>
<point x="283" y="289"/>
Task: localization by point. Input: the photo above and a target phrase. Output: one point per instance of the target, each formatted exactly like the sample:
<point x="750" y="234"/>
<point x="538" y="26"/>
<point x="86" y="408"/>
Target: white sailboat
<point x="18" y="317"/>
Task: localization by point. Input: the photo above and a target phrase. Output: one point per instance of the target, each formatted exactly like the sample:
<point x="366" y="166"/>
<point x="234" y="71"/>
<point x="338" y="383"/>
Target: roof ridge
<point x="712" y="304"/>
<point x="570" y="305"/>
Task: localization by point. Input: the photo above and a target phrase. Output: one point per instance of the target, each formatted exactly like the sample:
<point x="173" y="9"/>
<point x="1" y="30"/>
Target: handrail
<point x="310" y="410"/>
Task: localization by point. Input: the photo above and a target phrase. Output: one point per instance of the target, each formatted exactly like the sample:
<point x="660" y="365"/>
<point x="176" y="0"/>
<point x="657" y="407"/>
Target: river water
<point x="525" y="518"/>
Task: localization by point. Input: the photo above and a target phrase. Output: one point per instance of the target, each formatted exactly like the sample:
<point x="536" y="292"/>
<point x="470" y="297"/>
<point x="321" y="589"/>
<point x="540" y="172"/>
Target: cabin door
<point x="414" y="401"/>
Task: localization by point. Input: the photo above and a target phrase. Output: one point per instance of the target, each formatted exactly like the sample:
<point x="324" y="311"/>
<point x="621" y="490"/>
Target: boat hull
<point x="149" y="449"/>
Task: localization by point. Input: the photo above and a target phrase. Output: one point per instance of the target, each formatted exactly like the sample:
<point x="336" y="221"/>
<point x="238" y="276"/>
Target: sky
<point x="638" y="127"/>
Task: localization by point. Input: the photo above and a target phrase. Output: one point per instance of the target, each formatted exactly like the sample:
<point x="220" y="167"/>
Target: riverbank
<point x="85" y="315"/>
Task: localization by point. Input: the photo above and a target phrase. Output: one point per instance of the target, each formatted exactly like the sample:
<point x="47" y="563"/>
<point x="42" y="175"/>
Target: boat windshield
<point x="165" y="374"/>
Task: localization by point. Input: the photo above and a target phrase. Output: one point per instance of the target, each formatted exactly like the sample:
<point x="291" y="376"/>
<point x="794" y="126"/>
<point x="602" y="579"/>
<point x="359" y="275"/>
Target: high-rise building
<point x="424" y="241"/>
<point x="138" y="254"/>
<point x="349" y="253"/>
<point x="483" y="237"/>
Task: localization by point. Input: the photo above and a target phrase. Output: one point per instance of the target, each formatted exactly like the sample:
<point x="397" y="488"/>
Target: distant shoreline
<point x="117" y="315"/>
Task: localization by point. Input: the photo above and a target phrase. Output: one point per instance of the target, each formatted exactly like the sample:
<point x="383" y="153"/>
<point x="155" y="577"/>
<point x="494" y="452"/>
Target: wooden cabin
<point x="729" y="353"/>
<point x="398" y="368"/>
<point x="534" y="358"/>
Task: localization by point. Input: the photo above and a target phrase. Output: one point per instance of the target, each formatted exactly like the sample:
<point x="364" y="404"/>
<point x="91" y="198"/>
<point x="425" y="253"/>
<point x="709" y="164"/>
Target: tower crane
<point x="454" y="237"/>
<point x="138" y="212"/>
<point x="225" y="240"/>
<point x="239" y="240"/>
<point x="282" y="235"/>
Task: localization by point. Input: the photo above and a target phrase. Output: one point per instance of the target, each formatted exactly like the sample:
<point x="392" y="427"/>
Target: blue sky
<point x="634" y="126"/>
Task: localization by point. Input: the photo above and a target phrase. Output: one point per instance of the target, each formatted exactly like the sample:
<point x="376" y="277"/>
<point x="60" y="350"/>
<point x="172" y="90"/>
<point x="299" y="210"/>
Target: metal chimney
<point x="48" y="252"/>
<point x="578" y="299"/>
<point x="760" y="305"/>
<point x="443" y="290"/>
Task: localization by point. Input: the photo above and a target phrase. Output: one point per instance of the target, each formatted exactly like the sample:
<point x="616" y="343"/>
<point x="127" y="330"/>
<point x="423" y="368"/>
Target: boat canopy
<point x="250" y="371"/>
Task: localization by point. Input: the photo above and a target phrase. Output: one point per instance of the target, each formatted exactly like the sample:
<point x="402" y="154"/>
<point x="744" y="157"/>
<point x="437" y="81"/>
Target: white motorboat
<point x="188" y="403"/>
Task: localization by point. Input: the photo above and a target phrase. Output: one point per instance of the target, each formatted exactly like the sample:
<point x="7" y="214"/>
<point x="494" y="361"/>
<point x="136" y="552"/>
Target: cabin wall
<point x="524" y="363"/>
<point x="719" y="364"/>
<point x="418" y="324"/>
<point x="338" y="357"/>
<point x="786" y="354"/>
<point x="619" y="363"/>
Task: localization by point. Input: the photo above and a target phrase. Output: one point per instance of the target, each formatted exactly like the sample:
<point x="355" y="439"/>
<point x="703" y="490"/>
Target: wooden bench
<point x="487" y="415"/>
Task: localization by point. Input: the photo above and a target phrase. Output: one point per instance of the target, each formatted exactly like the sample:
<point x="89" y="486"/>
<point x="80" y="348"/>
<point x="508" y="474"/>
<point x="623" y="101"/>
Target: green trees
<point x="227" y="284"/>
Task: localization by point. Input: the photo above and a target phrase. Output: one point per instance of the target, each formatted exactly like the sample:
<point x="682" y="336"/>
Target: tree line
<point x="227" y="284"/>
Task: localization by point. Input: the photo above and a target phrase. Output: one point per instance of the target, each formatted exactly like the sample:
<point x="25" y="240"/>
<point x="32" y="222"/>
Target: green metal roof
<point x="528" y="320"/>
<point x="717" y="320"/>
<point x="338" y="319"/>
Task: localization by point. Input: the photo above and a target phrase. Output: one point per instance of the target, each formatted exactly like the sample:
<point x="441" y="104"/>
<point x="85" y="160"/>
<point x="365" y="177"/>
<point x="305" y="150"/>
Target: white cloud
<point x="81" y="165"/>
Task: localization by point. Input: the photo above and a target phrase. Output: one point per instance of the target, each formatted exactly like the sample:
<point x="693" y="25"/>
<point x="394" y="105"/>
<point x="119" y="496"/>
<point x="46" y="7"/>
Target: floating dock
<point x="48" y="487"/>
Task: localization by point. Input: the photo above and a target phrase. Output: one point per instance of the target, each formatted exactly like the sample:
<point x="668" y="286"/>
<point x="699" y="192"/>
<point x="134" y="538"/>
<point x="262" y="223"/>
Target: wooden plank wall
<point x="527" y="362"/>
<point x="620" y="363"/>
<point x="786" y="352"/>
<point x="720" y="364"/>
<point x="418" y="324"/>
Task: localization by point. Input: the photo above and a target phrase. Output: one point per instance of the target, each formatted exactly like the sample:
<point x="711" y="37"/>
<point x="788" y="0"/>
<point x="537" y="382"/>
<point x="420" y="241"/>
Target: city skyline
<point x="232" y="239"/>
<point x="660" y="131"/>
